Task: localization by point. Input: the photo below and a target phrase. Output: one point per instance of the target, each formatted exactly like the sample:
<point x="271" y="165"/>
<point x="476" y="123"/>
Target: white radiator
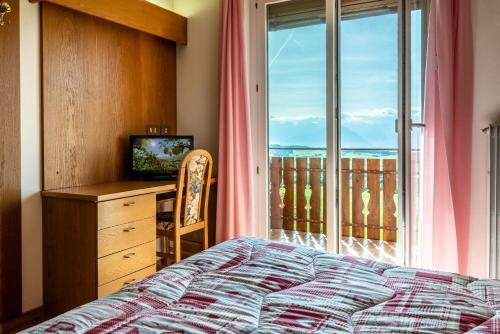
<point x="494" y="138"/>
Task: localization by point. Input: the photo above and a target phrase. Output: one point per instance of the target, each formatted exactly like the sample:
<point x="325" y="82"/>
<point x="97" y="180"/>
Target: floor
<point x="373" y="249"/>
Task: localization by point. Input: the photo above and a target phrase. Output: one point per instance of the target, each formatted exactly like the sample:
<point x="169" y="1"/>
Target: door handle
<point x="417" y="125"/>
<point x="412" y="125"/>
<point x="129" y="204"/>
<point x="128" y="256"/>
<point x="129" y="229"/>
<point x="4" y="10"/>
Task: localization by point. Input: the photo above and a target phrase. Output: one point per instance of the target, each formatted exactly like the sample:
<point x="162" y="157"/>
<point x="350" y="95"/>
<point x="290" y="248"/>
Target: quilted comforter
<point x="249" y="285"/>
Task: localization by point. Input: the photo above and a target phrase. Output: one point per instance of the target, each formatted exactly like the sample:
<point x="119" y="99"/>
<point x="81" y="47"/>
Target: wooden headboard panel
<point x="101" y="83"/>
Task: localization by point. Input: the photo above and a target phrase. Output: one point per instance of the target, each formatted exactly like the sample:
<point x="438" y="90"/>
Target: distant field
<point x="353" y="154"/>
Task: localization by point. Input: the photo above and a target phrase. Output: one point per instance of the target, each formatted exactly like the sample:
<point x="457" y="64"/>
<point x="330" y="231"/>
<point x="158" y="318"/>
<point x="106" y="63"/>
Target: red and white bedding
<point x="250" y="285"/>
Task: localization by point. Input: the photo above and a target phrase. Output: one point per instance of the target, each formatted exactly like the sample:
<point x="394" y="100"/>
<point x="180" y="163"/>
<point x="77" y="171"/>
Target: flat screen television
<point x="158" y="157"/>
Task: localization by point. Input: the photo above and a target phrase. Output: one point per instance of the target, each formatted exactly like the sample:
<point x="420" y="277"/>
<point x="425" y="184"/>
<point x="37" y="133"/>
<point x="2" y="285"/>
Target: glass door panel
<point x="297" y="121"/>
<point x="369" y="143"/>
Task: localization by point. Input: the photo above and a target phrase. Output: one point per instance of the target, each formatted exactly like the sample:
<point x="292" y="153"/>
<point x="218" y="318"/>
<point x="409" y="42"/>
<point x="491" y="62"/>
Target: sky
<point x="369" y="83"/>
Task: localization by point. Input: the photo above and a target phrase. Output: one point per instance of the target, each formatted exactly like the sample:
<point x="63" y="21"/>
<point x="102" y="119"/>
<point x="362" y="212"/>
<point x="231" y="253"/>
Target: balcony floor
<point x="372" y="249"/>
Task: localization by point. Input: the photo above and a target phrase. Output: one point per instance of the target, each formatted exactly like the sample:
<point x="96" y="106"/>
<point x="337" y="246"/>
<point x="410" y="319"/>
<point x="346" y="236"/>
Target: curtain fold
<point x="448" y="136"/>
<point x="235" y="178"/>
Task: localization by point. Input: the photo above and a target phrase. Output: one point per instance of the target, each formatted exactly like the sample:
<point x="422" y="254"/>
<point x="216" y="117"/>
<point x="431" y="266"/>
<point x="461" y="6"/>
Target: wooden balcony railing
<point x="368" y="196"/>
<point x="298" y="194"/>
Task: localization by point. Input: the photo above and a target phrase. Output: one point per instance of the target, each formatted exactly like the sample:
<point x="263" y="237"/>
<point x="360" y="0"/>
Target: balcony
<point x="368" y="193"/>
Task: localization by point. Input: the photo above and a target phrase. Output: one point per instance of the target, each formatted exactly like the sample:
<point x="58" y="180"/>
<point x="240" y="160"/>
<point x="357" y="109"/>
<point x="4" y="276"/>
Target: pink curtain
<point x="448" y="136"/>
<point x="235" y="184"/>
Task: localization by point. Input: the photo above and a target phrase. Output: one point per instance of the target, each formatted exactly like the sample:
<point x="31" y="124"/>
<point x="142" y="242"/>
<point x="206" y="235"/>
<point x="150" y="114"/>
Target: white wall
<point x="486" y="26"/>
<point x="197" y="74"/>
<point x="31" y="156"/>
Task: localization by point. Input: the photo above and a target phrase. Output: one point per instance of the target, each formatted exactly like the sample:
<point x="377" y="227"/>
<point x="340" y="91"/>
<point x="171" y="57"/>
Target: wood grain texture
<point x="69" y="254"/>
<point x="123" y="263"/>
<point x="125" y="210"/>
<point x="373" y="229"/>
<point x="101" y="83"/>
<point x="123" y="282"/>
<point x="315" y="182"/>
<point x="276" y="209"/>
<point x="114" y="190"/>
<point x="137" y="14"/>
<point x="24" y="321"/>
<point x="345" y="196"/>
<point x="10" y="172"/>
<point x="301" y="194"/>
<point x="358" y="184"/>
<point x="114" y="239"/>
<point x="288" y="181"/>
<point x="389" y="211"/>
<point x="212" y="215"/>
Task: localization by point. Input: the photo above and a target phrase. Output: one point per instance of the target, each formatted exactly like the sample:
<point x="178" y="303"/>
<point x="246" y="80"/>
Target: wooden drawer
<point x="118" y="238"/>
<point x="115" y="266"/>
<point x="125" y="210"/>
<point x="120" y="283"/>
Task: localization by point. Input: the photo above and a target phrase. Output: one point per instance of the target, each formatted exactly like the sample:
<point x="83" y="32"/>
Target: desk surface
<point x="113" y="190"/>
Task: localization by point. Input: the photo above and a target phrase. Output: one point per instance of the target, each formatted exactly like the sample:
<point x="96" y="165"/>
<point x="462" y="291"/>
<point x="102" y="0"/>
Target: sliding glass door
<point x="294" y="123"/>
<point x="297" y="121"/>
<point x="370" y="147"/>
<point x="334" y="103"/>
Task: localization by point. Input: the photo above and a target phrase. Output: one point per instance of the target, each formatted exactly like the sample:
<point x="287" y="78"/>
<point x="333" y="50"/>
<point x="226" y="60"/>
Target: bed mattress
<point x="249" y="285"/>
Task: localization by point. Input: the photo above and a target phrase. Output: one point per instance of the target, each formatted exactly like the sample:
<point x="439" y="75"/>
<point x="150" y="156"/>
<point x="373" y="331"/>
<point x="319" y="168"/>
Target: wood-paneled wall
<point x="10" y="170"/>
<point x="101" y="83"/>
<point x="137" y="14"/>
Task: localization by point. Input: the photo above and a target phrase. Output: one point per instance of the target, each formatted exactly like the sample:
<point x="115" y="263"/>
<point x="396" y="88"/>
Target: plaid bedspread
<point x="249" y="285"/>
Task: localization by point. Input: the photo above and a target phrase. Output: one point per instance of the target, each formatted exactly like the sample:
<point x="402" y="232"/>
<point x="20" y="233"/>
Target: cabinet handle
<point x="129" y="204"/>
<point x="129" y="229"/>
<point x="128" y="256"/>
<point x="129" y="282"/>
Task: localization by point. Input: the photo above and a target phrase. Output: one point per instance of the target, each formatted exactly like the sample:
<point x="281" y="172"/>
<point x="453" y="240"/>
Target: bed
<point x="249" y="285"/>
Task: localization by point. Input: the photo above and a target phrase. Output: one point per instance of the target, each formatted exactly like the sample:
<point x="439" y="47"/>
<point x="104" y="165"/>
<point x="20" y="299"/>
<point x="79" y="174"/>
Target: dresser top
<point x="113" y="190"/>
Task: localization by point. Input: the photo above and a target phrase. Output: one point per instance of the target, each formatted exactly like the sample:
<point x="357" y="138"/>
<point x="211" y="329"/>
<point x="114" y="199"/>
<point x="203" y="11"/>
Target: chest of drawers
<point x="97" y="240"/>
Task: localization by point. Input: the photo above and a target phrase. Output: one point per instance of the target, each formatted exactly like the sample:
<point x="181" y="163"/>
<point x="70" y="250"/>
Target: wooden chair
<point x="191" y="204"/>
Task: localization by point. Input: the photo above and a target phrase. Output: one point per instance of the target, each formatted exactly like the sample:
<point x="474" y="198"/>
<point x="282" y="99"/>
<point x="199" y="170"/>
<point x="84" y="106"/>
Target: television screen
<point x="158" y="155"/>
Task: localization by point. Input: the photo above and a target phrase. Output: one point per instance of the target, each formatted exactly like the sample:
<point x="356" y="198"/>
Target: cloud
<point x="368" y="116"/>
<point x="298" y="119"/>
<point x="361" y="116"/>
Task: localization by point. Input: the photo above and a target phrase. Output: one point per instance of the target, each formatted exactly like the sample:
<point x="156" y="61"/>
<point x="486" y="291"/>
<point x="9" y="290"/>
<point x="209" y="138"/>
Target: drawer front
<point x="125" y="210"/>
<point x="115" y="266"/>
<point x="121" y="283"/>
<point x="118" y="238"/>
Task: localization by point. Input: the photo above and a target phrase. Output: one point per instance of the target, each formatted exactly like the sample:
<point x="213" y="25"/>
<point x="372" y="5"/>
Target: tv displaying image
<point x="158" y="155"/>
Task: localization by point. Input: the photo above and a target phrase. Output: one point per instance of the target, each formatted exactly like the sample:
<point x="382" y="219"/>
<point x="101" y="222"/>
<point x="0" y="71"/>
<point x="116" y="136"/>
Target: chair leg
<point x="205" y="236"/>
<point x="160" y="252"/>
<point x="167" y="251"/>
<point x="177" y="246"/>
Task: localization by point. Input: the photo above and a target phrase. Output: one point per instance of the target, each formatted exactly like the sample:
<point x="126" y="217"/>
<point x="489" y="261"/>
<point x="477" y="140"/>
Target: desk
<point x="98" y="239"/>
<point x="114" y="190"/>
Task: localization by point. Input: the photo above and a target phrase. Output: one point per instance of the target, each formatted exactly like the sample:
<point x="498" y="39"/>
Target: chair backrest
<point x="193" y="187"/>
